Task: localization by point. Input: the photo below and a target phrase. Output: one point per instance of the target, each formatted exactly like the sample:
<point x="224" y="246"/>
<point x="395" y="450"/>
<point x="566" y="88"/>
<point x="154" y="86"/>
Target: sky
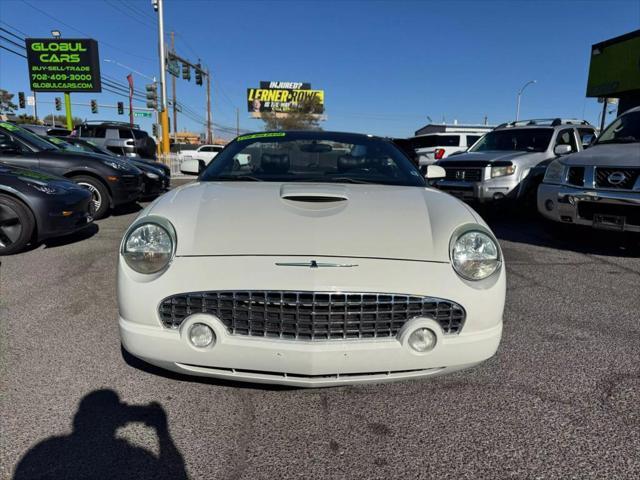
<point x="385" y="66"/>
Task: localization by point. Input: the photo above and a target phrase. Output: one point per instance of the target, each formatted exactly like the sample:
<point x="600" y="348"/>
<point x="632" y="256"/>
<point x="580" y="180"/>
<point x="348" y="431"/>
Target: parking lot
<point x="559" y="400"/>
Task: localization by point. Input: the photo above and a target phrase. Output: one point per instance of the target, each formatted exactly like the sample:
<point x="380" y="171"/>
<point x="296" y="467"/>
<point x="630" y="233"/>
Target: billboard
<point x="615" y="66"/>
<point x="282" y="97"/>
<point x="63" y="65"/>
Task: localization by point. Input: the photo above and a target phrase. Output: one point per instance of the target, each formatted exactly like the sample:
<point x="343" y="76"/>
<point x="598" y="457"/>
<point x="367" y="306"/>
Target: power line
<point x="135" y="18"/>
<point x="12" y="51"/>
<point x="14" y="28"/>
<point x="12" y="34"/>
<point x="84" y="33"/>
<point x="11" y="41"/>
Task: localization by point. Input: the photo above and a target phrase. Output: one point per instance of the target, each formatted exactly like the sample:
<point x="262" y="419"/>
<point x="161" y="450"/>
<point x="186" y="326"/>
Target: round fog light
<point x="549" y="205"/>
<point x="422" y="340"/>
<point x="201" y="335"/>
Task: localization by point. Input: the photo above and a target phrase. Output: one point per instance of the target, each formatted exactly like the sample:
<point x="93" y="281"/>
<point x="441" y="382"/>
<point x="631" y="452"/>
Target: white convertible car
<point x="326" y="260"/>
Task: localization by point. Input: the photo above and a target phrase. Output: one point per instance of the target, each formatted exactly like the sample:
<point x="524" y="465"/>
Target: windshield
<point x="435" y="141"/>
<point x="624" y="129"/>
<point x="90" y="147"/>
<point x="522" y="139"/>
<point x="312" y="157"/>
<point x="28" y="137"/>
<point x="62" y="144"/>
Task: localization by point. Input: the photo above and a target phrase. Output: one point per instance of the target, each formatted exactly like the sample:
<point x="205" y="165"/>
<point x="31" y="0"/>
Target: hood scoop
<point x="313" y="193"/>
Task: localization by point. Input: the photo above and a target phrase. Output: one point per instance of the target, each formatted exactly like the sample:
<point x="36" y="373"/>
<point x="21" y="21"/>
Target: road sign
<point x="173" y="67"/>
<point x="142" y="114"/>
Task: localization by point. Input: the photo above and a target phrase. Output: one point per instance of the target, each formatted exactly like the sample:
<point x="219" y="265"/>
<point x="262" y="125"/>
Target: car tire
<point x="17" y="225"/>
<point x="101" y="198"/>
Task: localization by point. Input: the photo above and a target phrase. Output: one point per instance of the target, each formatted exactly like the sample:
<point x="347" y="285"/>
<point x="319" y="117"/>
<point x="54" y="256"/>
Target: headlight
<point x="149" y="247"/>
<point x="117" y="165"/>
<point x="152" y="176"/>
<point x="554" y="173"/>
<point x="49" y="190"/>
<point x="475" y="256"/>
<point x="502" y="171"/>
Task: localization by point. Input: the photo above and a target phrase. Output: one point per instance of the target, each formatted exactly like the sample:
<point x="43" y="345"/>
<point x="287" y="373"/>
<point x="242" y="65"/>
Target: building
<point x="454" y="128"/>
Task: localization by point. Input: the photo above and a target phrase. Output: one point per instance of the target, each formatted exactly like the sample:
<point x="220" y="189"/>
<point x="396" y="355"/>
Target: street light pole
<point x="164" y="114"/>
<point x="520" y="95"/>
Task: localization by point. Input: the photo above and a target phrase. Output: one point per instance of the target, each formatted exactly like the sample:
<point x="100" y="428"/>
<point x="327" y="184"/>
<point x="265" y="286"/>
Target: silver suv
<point x="118" y="137"/>
<point x="509" y="162"/>
<point x="599" y="187"/>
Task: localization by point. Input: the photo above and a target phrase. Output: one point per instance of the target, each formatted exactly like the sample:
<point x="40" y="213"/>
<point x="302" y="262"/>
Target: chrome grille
<point x="576" y="176"/>
<point x="464" y="174"/>
<point x="627" y="176"/>
<point x="312" y="315"/>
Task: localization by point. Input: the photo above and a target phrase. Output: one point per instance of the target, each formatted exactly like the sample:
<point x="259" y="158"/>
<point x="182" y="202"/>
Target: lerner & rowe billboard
<point x="63" y="65"/>
<point x="283" y="97"/>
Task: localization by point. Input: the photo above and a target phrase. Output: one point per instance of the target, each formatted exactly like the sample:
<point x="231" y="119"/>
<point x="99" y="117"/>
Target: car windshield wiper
<point x="240" y="178"/>
<point x="335" y="180"/>
<point x="628" y="139"/>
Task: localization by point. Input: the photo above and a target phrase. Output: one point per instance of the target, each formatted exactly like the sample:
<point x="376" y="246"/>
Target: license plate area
<point x="609" y="222"/>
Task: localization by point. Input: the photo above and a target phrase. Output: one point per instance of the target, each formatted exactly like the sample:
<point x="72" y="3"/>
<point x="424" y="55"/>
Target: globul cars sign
<point x="283" y="97"/>
<point x="63" y="65"/>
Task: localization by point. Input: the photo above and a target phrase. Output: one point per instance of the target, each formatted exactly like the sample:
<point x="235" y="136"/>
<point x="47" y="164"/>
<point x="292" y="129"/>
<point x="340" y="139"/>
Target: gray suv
<point x="118" y="137"/>
<point x="509" y="162"/>
<point x="599" y="187"/>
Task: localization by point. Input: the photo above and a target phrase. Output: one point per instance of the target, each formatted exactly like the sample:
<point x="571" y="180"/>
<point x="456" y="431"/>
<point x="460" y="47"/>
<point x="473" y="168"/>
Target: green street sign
<point x="173" y="67"/>
<point x="142" y="114"/>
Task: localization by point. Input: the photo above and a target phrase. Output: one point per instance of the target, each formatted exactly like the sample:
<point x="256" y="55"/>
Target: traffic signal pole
<point x="164" y="114"/>
<point x="67" y="109"/>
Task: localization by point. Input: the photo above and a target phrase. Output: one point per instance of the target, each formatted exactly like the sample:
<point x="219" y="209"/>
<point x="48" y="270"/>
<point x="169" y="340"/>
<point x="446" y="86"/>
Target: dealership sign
<point x="63" y="65"/>
<point x="283" y="97"/>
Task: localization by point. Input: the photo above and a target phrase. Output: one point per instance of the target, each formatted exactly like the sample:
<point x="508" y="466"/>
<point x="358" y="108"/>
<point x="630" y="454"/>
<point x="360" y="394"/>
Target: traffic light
<point x="21" y="103"/>
<point x="154" y="130"/>
<point x="120" y="108"/>
<point x="186" y="72"/>
<point x="58" y="103"/>
<point x="152" y="95"/>
<point x="94" y="106"/>
<point x="198" y="74"/>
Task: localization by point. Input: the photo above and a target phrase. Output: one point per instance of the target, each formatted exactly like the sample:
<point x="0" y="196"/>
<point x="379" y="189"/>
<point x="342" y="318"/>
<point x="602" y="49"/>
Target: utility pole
<point x="173" y="94"/>
<point x="237" y="122"/>
<point x="209" y="132"/>
<point x="520" y="95"/>
<point x="35" y="106"/>
<point x="164" y="115"/>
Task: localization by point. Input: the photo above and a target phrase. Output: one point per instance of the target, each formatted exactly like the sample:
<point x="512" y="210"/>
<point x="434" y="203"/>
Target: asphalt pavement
<point x="561" y="399"/>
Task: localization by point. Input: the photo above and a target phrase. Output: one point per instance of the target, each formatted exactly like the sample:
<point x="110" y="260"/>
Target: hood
<point x="92" y="157"/>
<point x="489" y="156"/>
<point x="286" y="219"/>
<point x="36" y="176"/>
<point x="614" y="154"/>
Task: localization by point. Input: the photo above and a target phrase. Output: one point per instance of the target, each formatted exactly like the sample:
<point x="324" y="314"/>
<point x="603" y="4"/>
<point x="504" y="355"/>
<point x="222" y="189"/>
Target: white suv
<point x="436" y="146"/>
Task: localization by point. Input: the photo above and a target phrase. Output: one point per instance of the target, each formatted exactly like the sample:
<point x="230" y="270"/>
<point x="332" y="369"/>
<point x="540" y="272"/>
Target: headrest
<point x="272" y="163"/>
<point x="348" y="162"/>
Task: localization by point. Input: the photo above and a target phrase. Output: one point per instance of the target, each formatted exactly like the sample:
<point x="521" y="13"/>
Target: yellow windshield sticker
<point x="261" y="135"/>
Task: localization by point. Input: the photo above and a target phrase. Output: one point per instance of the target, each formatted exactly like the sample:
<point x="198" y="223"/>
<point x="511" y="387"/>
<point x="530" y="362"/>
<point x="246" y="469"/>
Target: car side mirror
<point x="191" y="167"/>
<point x="435" y="171"/>
<point x="562" y="149"/>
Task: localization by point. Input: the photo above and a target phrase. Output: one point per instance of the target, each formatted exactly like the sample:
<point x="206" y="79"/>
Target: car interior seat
<point x="275" y="163"/>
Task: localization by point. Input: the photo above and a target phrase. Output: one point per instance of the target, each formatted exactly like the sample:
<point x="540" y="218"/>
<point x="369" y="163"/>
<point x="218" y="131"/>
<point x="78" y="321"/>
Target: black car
<point x="157" y="175"/>
<point x="111" y="181"/>
<point x="35" y="205"/>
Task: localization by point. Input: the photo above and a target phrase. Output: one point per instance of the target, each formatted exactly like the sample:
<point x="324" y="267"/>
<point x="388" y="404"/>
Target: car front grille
<point x="297" y="315"/>
<point x="616" y="178"/>
<point x="576" y="176"/>
<point x="464" y="174"/>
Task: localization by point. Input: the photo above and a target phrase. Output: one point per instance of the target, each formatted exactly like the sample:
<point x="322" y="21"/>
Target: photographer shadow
<point x="93" y="451"/>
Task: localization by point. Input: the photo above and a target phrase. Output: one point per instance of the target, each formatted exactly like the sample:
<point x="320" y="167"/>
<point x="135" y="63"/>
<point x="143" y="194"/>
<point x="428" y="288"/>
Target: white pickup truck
<point x="206" y="153"/>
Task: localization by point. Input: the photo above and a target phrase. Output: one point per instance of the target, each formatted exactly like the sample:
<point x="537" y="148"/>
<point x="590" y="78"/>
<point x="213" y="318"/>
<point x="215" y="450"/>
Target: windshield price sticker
<point x="69" y="65"/>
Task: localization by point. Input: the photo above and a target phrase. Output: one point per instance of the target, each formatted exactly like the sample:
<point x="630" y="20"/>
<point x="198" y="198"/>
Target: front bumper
<point x="308" y="363"/>
<point x="488" y="190"/>
<point x="604" y="209"/>
<point x="126" y="189"/>
<point x="64" y="214"/>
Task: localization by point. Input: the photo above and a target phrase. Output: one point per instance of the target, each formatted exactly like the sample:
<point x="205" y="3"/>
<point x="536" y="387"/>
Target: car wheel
<point x="100" y="195"/>
<point x="16" y="225"/>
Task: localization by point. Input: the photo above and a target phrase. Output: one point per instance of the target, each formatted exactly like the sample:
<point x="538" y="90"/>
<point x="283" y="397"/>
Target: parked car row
<point x="44" y="179"/>
<point x="559" y="166"/>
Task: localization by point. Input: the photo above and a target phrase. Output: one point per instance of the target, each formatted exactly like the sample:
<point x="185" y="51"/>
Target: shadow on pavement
<point x="79" y="236"/>
<point x="528" y="227"/>
<point x="93" y="451"/>
<point x="126" y="209"/>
